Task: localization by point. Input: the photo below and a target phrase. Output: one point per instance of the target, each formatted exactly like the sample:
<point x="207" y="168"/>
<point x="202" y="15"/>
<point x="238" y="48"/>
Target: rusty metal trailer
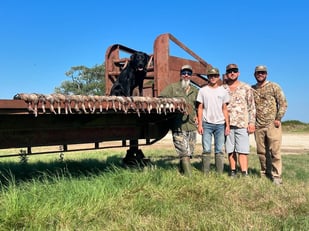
<point x="163" y="68"/>
<point x="19" y="128"/>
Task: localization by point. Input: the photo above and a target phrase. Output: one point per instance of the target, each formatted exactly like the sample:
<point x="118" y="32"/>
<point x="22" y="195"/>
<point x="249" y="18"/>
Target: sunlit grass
<point x="295" y="126"/>
<point x="93" y="191"/>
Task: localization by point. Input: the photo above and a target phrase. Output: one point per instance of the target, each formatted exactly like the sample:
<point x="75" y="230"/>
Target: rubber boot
<point x="186" y="166"/>
<point x="219" y="162"/>
<point x="206" y="163"/>
<point x="180" y="167"/>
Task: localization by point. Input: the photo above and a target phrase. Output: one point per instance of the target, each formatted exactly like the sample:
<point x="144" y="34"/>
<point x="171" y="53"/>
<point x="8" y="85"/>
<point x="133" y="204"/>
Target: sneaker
<point x="233" y="174"/>
<point x="244" y="174"/>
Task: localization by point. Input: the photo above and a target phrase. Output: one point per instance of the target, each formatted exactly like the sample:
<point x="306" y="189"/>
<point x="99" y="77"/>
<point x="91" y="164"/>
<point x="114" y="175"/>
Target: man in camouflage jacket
<point x="271" y="105"/>
<point x="184" y="126"/>
<point x="241" y="110"/>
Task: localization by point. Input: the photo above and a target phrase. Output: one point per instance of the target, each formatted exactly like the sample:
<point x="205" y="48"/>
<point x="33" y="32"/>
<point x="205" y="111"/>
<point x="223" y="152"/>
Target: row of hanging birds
<point x="97" y="104"/>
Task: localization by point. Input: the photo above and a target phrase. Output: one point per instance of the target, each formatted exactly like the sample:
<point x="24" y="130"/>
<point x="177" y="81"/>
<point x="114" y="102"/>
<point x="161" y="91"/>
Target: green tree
<point x="84" y="81"/>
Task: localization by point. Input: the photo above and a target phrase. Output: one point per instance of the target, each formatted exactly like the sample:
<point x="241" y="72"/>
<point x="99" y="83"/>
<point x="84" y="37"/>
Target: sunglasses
<point x="235" y="70"/>
<point x="186" y="73"/>
<point x="261" y="72"/>
<point x="213" y="76"/>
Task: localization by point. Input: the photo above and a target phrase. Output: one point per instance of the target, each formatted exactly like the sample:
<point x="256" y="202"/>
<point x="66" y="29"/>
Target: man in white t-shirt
<point x="213" y="120"/>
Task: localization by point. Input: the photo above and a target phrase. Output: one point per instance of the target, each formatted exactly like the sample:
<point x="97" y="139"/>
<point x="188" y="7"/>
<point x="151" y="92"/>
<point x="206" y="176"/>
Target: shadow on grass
<point x="167" y="162"/>
<point x="19" y="172"/>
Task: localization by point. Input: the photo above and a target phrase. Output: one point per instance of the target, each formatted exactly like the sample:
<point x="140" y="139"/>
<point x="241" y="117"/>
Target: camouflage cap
<point x="260" y="68"/>
<point x="213" y="71"/>
<point x="186" y="67"/>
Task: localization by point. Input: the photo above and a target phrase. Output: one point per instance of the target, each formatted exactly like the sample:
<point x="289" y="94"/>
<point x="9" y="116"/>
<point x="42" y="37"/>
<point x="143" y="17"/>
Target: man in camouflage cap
<point x="213" y="120"/>
<point x="271" y="105"/>
<point x="184" y="126"/>
<point x="241" y="110"/>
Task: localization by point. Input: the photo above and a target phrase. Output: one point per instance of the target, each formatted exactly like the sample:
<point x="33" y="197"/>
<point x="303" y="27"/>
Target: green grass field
<point x="93" y="191"/>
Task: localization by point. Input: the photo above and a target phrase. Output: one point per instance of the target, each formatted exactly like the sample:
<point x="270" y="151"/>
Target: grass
<point x="91" y="191"/>
<point x="295" y="126"/>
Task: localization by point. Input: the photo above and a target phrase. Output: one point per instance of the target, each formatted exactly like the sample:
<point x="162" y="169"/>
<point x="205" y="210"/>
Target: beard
<point x="260" y="81"/>
<point x="185" y="83"/>
<point x="231" y="81"/>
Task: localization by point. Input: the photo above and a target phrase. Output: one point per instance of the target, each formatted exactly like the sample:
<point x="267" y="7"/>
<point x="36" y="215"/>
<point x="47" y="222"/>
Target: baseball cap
<point x="186" y="67"/>
<point x="213" y="71"/>
<point x="231" y="66"/>
<point x="260" y="68"/>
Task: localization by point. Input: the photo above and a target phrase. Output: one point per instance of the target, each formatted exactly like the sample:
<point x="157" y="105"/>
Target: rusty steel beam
<point x="166" y="66"/>
<point x="20" y="128"/>
<point x="25" y="130"/>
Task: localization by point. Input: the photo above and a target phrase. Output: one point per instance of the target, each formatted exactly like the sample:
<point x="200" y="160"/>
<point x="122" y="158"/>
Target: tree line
<point x="84" y="81"/>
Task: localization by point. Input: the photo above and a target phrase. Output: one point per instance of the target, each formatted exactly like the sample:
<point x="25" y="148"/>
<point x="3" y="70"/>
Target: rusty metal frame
<point x="166" y="66"/>
<point x="163" y="68"/>
<point x="19" y="128"/>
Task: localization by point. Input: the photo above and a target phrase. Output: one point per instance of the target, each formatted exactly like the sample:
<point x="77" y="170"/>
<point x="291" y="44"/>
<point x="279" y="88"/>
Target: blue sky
<point x="41" y="40"/>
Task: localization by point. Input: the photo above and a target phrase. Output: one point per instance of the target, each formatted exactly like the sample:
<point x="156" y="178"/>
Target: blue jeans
<point x="216" y="130"/>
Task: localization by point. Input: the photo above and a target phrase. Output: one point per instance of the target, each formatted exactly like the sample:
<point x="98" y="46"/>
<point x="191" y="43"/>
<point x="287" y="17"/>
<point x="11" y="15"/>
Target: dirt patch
<point x="291" y="143"/>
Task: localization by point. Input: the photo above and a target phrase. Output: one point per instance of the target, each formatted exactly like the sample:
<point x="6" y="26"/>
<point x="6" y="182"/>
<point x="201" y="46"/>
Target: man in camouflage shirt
<point x="271" y="105"/>
<point x="184" y="126"/>
<point x="241" y="110"/>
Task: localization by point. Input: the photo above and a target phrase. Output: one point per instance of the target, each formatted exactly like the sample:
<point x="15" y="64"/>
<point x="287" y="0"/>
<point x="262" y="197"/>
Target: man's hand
<point x="277" y="123"/>
<point x="251" y="128"/>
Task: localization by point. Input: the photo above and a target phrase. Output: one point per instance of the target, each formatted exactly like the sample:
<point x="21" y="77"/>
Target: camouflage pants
<point x="184" y="142"/>
<point x="268" y="143"/>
